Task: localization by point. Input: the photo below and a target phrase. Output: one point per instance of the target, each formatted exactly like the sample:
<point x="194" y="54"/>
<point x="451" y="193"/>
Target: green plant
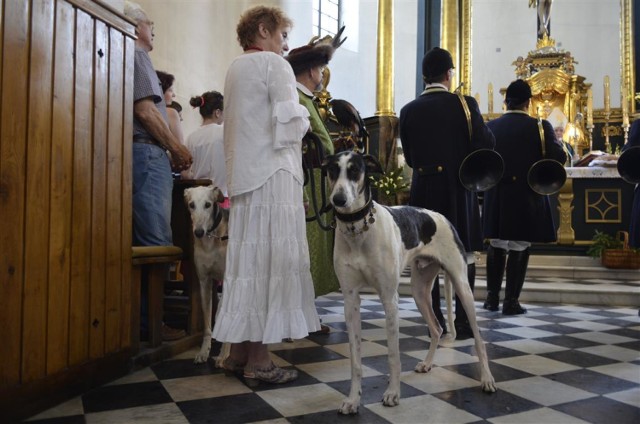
<point x="390" y="183"/>
<point x="602" y="241"/>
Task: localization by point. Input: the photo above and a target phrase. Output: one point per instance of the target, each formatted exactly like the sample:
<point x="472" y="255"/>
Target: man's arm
<point x="153" y="121"/>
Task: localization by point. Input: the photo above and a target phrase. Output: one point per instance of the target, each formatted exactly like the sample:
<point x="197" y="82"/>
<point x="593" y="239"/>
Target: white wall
<point x="196" y="41"/>
<point x="502" y="30"/>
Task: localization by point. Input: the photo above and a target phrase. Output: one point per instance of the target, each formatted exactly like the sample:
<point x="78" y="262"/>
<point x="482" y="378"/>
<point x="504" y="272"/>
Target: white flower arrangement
<point x="390" y="183"/>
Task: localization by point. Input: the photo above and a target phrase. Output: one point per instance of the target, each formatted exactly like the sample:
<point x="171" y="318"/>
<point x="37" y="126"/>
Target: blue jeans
<point x="152" y="186"/>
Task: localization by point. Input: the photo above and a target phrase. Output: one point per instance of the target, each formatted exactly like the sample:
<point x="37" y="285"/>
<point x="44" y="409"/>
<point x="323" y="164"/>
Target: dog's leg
<point x="206" y="293"/>
<point x="461" y="284"/>
<point x="448" y="296"/>
<point x="389" y="297"/>
<point x="423" y="274"/>
<point x="352" y="316"/>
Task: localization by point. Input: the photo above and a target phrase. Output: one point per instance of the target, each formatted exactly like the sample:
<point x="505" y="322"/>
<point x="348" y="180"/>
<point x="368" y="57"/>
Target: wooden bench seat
<point x="155" y="261"/>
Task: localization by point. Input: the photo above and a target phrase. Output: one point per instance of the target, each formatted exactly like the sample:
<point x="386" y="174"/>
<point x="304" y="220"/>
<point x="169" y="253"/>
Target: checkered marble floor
<point x="556" y="364"/>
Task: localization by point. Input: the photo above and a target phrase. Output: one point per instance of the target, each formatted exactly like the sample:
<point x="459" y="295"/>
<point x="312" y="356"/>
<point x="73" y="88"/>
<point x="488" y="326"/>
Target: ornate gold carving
<point x="603" y="206"/>
<point x="612" y="130"/>
<point x="545" y="41"/>
<point x="627" y="72"/>
<point x="323" y="96"/>
<point x="566" y="235"/>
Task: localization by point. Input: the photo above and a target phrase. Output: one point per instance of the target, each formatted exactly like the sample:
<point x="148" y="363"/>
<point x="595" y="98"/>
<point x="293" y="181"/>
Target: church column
<point x="385" y="117"/>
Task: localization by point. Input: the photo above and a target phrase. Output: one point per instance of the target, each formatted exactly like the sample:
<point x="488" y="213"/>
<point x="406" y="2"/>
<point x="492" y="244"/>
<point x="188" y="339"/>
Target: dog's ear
<point x="372" y="164"/>
<point x="217" y="195"/>
<point x="326" y="161"/>
<point x="187" y="196"/>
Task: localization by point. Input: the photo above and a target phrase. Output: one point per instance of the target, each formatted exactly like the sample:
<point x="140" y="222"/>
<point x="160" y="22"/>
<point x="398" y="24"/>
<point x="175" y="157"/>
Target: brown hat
<point x="317" y="53"/>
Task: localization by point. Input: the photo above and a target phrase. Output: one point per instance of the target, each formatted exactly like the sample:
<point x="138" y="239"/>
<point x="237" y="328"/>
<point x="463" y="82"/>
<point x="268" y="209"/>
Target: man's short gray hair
<point x="133" y="11"/>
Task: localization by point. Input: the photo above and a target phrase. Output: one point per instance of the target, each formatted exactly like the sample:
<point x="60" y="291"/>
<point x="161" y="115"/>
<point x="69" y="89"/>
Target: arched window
<point x="327" y="17"/>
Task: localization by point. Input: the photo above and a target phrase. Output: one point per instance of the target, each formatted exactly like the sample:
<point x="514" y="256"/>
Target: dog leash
<point x="311" y="141"/>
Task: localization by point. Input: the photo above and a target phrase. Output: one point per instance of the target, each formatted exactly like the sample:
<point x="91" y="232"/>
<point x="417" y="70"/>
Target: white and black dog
<point x="210" y="233"/>
<point x="374" y="243"/>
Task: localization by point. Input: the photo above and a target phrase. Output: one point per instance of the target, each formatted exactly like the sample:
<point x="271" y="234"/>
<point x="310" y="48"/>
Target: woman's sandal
<point x="232" y="367"/>
<point x="271" y="374"/>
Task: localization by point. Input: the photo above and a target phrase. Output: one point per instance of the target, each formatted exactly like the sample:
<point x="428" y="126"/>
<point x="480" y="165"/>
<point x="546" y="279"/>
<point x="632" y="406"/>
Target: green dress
<point x="320" y="241"/>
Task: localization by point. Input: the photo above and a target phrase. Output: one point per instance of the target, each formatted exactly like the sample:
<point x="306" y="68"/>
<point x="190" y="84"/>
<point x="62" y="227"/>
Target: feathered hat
<point x="317" y="53"/>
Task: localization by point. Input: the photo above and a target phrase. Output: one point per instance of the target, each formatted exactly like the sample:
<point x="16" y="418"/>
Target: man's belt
<point x="145" y="140"/>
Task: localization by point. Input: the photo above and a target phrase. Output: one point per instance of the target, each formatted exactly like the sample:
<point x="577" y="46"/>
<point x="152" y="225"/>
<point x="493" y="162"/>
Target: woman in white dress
<point x="268" y="291"/>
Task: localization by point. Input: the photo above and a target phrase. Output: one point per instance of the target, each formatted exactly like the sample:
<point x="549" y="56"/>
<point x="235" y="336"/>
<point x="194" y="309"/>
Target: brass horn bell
<point x="481" y="170"/>
<point x="629" y="165"/>
<point x="546" y="176"/>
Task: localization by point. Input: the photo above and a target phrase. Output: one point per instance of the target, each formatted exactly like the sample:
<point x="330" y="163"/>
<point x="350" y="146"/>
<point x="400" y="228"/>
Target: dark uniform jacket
<point x="435" y="140"/>
<point x="512" y="210"/>
<point x="634" y="229"/>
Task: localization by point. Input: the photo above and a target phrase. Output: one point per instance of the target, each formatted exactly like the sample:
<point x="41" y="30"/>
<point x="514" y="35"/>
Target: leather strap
<point x="541" y="131"/>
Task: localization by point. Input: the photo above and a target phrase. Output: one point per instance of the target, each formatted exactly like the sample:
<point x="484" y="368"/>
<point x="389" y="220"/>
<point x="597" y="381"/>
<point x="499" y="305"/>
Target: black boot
<point x="516" y="271"/>
<point x="435" y="302"/>
<point x="496" y="259"/>
<point x="463" y="329"/>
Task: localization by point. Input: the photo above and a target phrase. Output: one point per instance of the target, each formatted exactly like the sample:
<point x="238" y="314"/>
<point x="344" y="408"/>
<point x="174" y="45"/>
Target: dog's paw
<point x="489" y="386"/>
<point x="349" y="406"/>
<point x="391" y="398"/>
<point x="202" y="357"/>
<point x="422" y="367"/>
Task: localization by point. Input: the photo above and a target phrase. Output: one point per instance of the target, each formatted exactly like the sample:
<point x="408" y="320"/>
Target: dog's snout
<point x="198" y="232"/>
<point x="339" y="199"/>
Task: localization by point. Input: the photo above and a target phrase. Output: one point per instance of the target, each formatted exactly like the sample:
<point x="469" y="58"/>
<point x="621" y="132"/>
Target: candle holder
<point x="625" y="128"/>
<point x="590" y="130"/>
<point x="607" y="144"/>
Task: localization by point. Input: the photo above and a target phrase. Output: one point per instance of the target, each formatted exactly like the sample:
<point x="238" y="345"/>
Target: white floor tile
<point x="537" y="416"/>
<point x="536" y="365"/>
<point x="544" y="391"/>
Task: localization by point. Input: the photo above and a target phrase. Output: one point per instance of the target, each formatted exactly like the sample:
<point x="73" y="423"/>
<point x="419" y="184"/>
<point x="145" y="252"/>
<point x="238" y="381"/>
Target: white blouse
<point x="264" y="121"/>
<point x="207" y="149"/>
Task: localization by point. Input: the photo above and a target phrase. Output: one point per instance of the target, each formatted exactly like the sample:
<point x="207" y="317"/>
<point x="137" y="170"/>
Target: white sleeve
<point x="290" y="119"/>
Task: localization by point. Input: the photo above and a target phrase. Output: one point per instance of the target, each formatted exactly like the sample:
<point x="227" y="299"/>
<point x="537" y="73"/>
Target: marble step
<point x="563" y="279"/>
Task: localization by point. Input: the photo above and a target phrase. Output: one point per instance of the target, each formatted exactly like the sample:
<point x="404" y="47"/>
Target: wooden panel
<point x="114" y="193"/>
<point x="13" y="128"/>
<point x="99" y="185"/>
<point x="127" y="137"/>
<point x="37" y="194"/>
<point x="61" y="188"/>
<point x="81" y="213"/>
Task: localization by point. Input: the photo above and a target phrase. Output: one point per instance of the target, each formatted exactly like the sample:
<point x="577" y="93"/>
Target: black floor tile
<point x="237" y="409"/>
<point x="125" y="396"/>
<point x="373" y="388"/>
<point x="601" y="410"/>
<point x="592" y="381"/>
<point x="487" y="405"/>
<point x="307" y="355"/>
<point x="578" y="358"/>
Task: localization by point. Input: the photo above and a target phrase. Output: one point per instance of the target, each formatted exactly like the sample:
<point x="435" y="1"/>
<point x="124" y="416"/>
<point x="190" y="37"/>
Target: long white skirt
<point x="268" y="292"/>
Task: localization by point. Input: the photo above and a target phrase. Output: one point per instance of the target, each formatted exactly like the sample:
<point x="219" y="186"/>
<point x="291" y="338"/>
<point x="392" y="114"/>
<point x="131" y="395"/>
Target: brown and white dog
<point x="373" y="244"/>
<point x="210" y="233"/>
